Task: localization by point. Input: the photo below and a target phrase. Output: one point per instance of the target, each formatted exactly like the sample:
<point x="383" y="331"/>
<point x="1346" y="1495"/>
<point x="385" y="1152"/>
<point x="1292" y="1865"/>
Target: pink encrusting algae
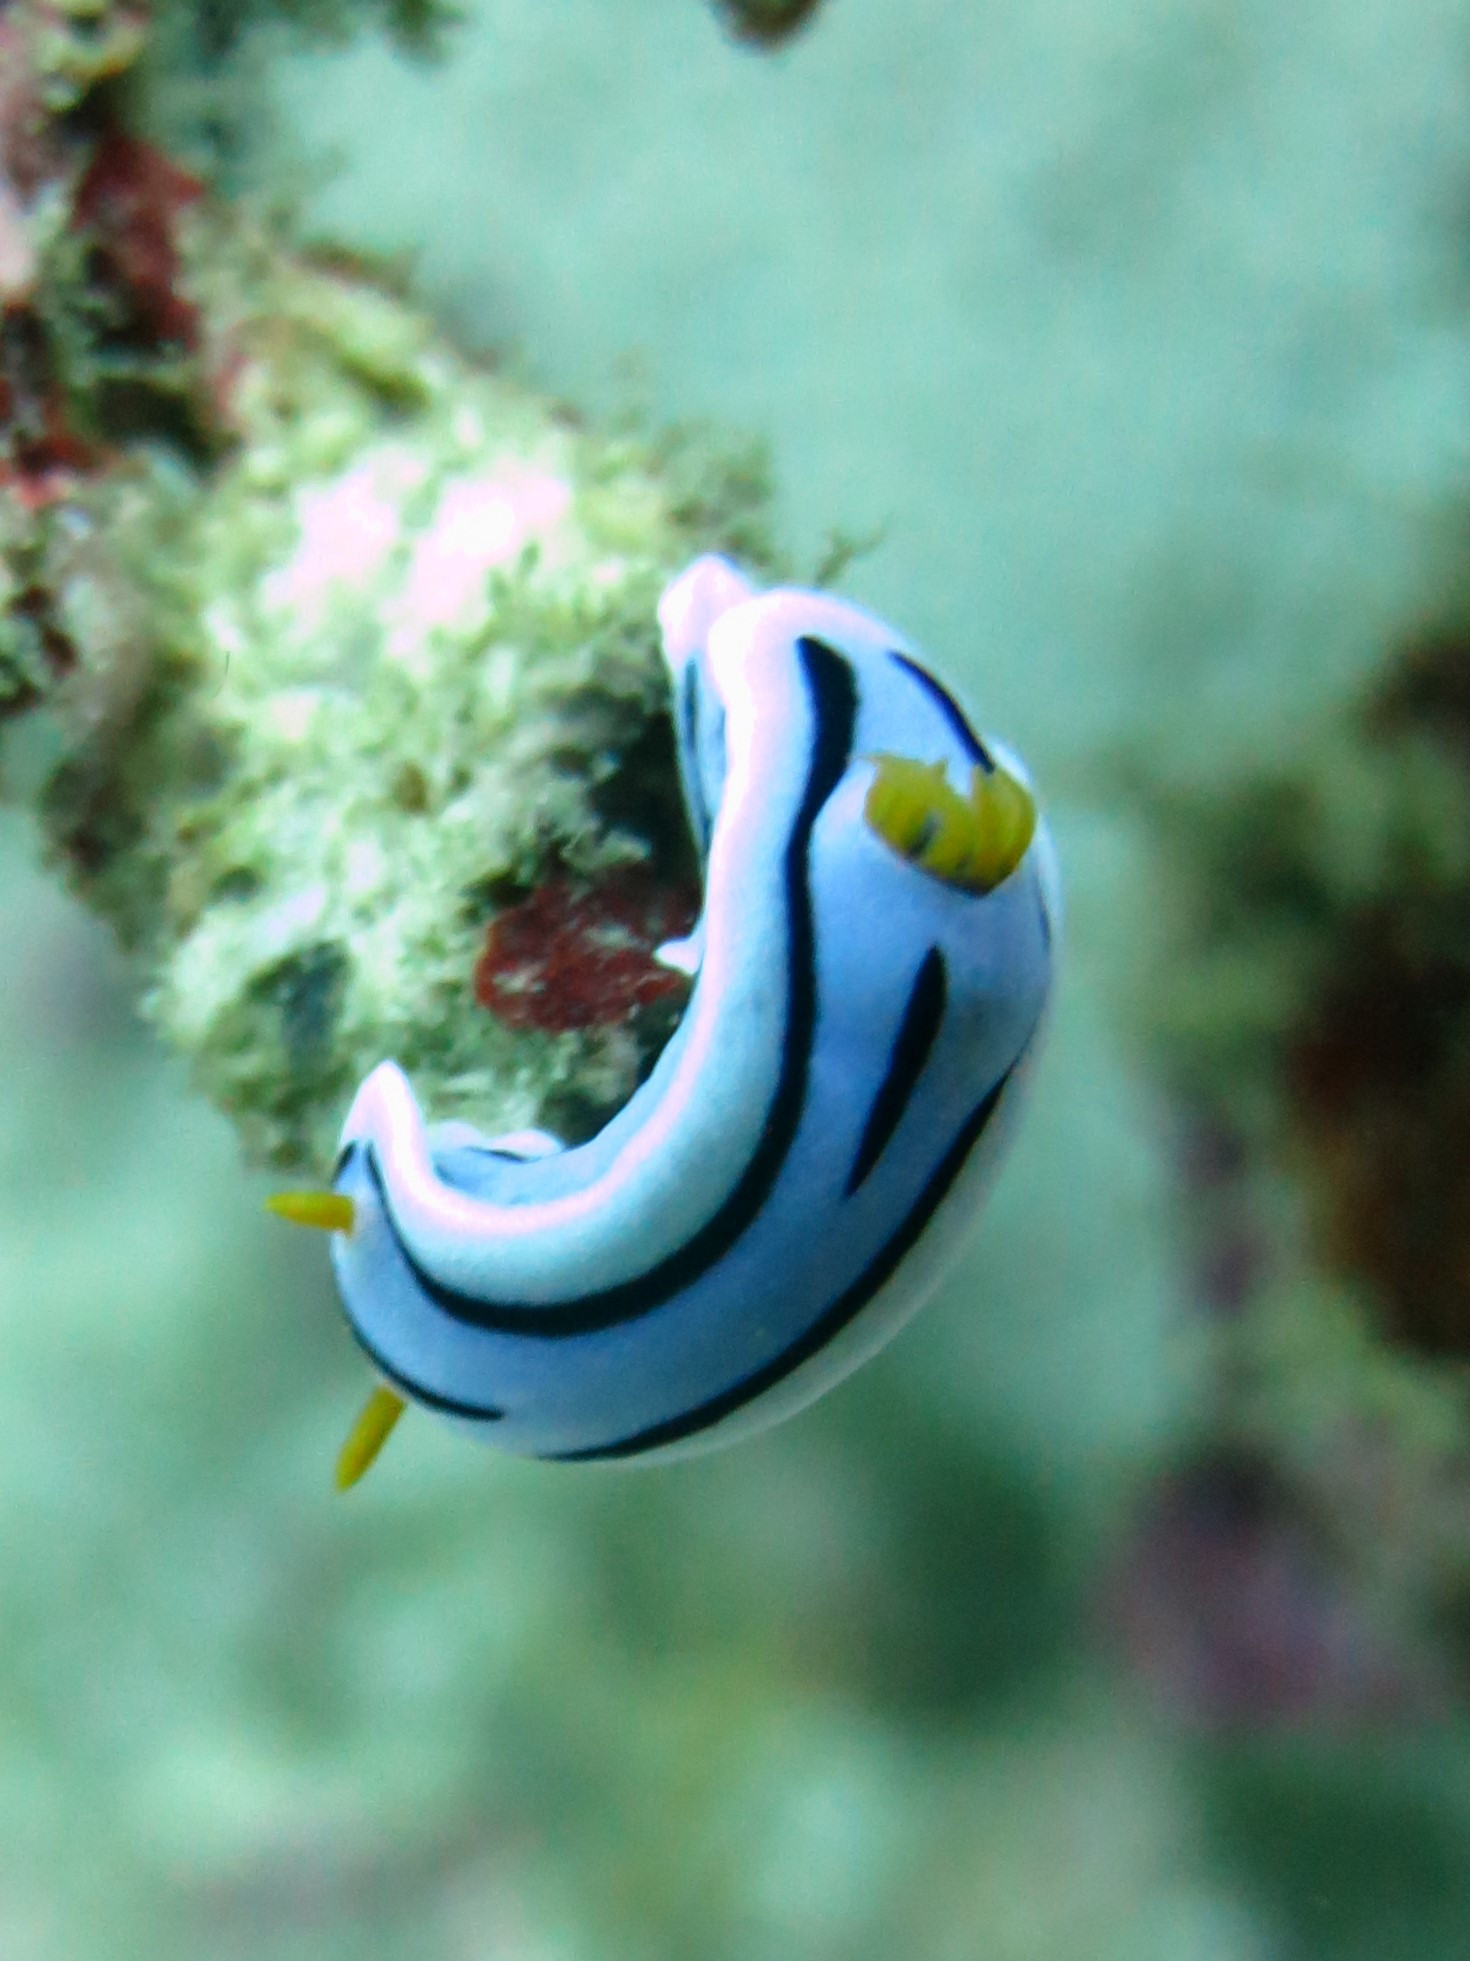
<point x="582" y="956"/>
<point x="482" y="524"/>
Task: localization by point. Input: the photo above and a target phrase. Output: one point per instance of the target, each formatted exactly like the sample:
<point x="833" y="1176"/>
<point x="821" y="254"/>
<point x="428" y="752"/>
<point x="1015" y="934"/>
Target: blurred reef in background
<point x="1122" y="1610"/>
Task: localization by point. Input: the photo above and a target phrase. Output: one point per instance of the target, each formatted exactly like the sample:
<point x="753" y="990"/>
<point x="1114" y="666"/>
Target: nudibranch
<point x="871" y="967"/>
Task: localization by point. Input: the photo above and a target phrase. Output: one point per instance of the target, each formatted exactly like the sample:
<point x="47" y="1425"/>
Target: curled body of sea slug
<point x="871" y="966"/>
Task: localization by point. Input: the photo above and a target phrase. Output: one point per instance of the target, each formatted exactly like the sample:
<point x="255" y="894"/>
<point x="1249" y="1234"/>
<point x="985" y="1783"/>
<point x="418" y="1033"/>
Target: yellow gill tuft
<point x="973" y="843"/>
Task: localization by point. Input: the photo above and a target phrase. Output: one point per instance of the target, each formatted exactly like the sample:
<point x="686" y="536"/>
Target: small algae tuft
<point x="766" y="23"/>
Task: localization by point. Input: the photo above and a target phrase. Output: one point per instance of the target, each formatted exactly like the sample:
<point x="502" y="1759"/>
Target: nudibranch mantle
<point x="809" y="1151"/>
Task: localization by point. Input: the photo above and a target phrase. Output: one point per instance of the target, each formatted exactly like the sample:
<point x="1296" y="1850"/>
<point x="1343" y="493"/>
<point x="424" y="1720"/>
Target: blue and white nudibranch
<point x="871" y="967"/>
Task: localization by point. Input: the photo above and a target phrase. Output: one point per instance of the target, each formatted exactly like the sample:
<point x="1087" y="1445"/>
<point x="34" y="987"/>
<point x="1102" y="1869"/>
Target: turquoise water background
<point x="1140" y="333"/>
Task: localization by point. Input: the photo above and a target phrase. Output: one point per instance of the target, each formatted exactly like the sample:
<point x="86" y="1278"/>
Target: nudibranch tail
<point x="973" y="842"/>
<point x="326" y="1211"/>
<point x="375" y="1423"/>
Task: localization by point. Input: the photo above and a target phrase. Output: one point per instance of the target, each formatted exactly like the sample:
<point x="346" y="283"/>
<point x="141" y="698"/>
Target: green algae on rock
<point x="408" y="639"/>
<point x="348" y="642"/>
<point x="74" y="45"/>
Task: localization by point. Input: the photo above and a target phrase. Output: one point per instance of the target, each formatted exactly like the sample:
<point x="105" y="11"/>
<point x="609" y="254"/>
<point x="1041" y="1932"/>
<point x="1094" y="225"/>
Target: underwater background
<point x="1122" y="1608"/>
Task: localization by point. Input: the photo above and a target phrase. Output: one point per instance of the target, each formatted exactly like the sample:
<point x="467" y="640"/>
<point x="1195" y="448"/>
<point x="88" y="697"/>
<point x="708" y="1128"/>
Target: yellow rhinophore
<point x="970" y="842"/>
<point x="373" y="1428"/>
<point x="327" y="1211"/>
